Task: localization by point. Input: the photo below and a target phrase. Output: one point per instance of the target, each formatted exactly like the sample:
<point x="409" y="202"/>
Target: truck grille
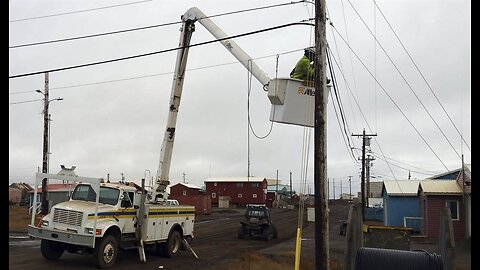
<point x="68" y="217"/>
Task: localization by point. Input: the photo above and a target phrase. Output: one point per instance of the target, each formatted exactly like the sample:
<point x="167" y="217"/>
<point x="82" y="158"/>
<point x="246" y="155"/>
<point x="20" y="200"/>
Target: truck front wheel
<point x="173" y="245"/>
<point x="51" y="250"/>
<point x="105" y="253"/>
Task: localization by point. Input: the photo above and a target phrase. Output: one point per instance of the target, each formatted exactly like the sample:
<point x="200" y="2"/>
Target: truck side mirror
<point x="125" y="202"/>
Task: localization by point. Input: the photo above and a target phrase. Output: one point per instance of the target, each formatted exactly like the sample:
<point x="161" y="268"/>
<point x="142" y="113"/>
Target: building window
<point x="239" y="195"/>
<point x="239" y="184"/>
<point x="255" y="184"/>
<point x="453" y="206"/>
<point x="254" y="195"/>
<point x="215" y="184"/>
<point x="214" y="195"/>
<point x="184" y="193"/>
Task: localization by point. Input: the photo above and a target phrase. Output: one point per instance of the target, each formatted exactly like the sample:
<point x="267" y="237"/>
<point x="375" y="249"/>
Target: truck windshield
<point x="86" y="193"/>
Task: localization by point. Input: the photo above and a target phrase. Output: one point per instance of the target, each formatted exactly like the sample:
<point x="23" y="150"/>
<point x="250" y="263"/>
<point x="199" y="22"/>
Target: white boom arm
<point x="189" y="18"/>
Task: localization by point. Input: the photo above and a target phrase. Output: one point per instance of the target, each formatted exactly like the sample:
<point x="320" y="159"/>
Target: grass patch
<point x="257" y="261"/>
<point x="19" y="218"/>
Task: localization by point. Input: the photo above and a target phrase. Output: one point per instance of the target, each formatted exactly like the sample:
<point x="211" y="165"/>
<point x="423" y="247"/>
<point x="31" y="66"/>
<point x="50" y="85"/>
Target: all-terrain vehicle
<point x="257" y="223"/>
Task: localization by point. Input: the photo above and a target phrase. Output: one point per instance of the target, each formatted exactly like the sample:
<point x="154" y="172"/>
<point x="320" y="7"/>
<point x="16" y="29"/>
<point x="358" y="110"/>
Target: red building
<point x="184" y="189"/>
<point x="188" y="194"/>
<point x="241" y="190"/>
<point x="436" y="195"/>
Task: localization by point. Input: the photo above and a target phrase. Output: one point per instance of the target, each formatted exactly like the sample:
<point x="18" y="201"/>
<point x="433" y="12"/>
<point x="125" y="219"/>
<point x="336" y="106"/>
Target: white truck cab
<point x="103" y="224"/>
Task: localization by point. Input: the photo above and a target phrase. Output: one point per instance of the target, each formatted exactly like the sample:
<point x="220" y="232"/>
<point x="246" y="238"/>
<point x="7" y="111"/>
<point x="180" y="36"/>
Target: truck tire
<point x="51" y="250"/>
<point x="242" y="232"/>
<point x="173" y="245"/>
<point x="267" y="233"/>
<point x="274" y="232"/>
<point x="105" y="252"/>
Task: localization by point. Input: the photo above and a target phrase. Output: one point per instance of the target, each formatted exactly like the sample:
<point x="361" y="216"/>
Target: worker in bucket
<point x="304" y="69"/>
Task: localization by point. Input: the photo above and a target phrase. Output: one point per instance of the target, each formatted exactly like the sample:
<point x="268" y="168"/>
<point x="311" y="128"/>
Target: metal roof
<point x="401" y="187"/>
<point x="187" y="185"/>
<point x="235" y="179"/>
<point x="440" y="187"/>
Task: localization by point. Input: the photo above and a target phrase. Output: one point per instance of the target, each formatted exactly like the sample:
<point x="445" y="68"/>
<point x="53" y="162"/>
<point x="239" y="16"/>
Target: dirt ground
<point x="217" y="246"/>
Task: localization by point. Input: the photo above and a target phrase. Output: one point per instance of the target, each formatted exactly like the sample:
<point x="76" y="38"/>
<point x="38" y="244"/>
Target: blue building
<point x="401" y="203"/>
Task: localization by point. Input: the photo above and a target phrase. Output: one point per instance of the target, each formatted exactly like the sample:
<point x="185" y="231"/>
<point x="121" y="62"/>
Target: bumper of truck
<point x="61" y="236"/>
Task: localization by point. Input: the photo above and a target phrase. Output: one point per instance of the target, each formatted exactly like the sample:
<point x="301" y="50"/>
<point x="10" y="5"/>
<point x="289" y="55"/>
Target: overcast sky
<point x="112" y="117"/>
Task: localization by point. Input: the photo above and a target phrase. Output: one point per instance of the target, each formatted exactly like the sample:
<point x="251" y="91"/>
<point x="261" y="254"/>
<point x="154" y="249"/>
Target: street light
<point x="46" y="148"/>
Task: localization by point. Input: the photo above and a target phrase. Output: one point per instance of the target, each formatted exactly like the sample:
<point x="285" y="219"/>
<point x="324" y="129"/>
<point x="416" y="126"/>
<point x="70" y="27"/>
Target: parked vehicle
<point x="257" y="223"/>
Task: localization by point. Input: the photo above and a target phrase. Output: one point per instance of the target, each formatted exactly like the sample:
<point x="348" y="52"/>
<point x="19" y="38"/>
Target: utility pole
<point x="184" y="178"/>
<point x="45" y="148"/>
<point x="276" y="190"/>
<point x="320" y="140"/>
<point x="334" y="188"/>
<point x="369" y="158"/>
<point x="341" y="189"/>
<point x="350" y="183"/>
<point x="364" y="143"/>
<point x="46" y="142"/>
<point x="291" y="199"/>
<point x="328" y="187"/>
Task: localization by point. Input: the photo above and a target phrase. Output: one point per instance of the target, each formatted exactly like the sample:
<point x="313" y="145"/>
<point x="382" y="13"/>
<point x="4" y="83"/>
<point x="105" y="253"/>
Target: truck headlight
<point x="90" y="231"/>
<point x="44" y="223"/>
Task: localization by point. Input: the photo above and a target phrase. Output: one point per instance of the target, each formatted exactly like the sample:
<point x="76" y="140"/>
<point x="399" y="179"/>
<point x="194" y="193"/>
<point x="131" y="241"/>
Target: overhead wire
<point x="79" y="11"/>
<point x="391" y="99"/>
<point x="149" y="27"/>
<point x="249" y="82"/>
<point x="401" y="167"/>
<point x="421" y="74"/>
<point x="158" y="52"/>
<point x="358" y="105"/>
<point x="153" y="75"/>
<point x="405" y="80"/>
<point x="344" y="132"/>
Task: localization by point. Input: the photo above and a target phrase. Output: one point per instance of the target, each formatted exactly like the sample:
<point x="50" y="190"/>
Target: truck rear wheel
<point x="267" y="234"/>
<point x="173" y="245"/>
<point x="106" y="250"/>
<point x="242" y="231"/>
<point x="51" y="250"/>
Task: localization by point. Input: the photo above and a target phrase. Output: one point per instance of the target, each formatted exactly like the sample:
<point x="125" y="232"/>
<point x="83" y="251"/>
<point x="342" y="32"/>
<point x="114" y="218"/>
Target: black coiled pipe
<point x="393" y="259"/>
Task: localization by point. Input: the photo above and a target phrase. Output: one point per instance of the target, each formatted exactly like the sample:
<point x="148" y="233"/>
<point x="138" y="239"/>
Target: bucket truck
<point x="101" y="218"/>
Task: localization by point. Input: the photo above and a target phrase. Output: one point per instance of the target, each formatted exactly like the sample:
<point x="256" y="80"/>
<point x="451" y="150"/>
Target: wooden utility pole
<point x="320" y="140"/>
<point x="367" y="165"/>
<point x="341" y="189"/>
<point x="291" y="199"/>
<point x="350" y="183"/>
<point x="364" y="142"/>
<point x="276" y="190"/>
<point x="334" y="188"/>
<point x="45" y="147"/>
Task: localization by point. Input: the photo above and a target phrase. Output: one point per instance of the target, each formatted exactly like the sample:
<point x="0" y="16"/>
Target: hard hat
<point x="310" y="50"/>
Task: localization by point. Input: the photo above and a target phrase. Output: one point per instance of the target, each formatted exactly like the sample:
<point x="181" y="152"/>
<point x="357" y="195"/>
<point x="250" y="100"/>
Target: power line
<point x="340" y="67"/>
<point x="391" y="99"/>
<point x="79" y="11"/>
<point x="404" y="167"/>
<point x="421" y="74"/>
<point x="405" y="80"/>
<point x="344" y="132"/>
<point x="159" y="52"/>
<point x="13" y="103"/>
<point x="154" y="75"/>
<point x="358" y="105"/>
<point x="146" y="27"/>
<point x="429" y="172"/>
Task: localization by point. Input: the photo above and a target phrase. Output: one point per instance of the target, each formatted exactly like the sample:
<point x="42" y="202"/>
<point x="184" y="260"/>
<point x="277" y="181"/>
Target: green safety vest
<point x="303" y="70"/>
